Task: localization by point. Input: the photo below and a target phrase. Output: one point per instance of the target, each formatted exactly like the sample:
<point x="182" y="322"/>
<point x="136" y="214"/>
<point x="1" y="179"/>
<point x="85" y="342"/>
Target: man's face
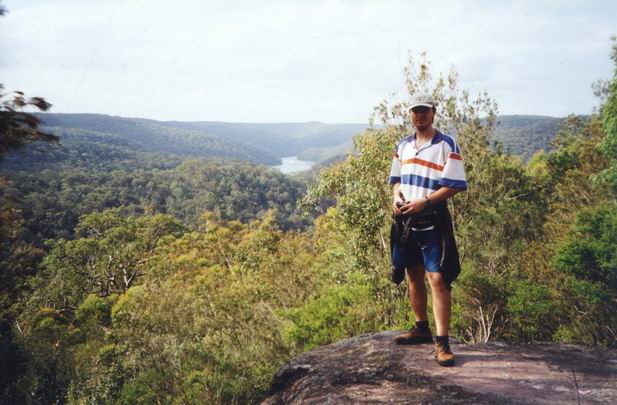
<point x="422" y="117"/>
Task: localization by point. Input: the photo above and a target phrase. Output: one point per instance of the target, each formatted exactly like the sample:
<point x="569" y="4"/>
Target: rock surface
<point x="372" y="369"/>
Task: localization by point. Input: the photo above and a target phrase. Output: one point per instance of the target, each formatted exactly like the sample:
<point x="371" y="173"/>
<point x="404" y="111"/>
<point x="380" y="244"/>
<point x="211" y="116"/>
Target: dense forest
<point x="129" y="275"/>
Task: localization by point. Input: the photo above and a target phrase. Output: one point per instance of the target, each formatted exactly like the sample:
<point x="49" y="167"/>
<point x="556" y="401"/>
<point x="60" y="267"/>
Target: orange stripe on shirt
<point x="456" y="156"/>
<point x="425" y="163"/>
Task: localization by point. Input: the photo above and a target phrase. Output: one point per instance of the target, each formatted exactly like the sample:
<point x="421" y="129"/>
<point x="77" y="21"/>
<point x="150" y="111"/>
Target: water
<point x="291" y="164"/>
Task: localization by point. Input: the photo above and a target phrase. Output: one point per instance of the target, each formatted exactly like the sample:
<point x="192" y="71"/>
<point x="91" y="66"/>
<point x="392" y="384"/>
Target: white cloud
<point x="298" y="60"/>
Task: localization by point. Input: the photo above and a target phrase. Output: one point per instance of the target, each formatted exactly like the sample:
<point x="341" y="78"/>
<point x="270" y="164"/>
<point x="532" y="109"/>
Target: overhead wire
<point x="93" y="54"/>
<point x="170" y="67"/>
<point x="140" y="40"/>
<point x="157" y="84"/>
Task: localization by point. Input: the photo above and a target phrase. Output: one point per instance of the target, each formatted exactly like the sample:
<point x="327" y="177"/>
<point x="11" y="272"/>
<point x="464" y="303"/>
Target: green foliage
<point x="18" y="258"/>
<point x="108" y="256"/>
<point x="94" y="313"/>
<point x="201" y="326"/>
<point x="590" y="252"/>
<point x="52" y="201"/>
<point x="503" y="200"/>
<point x="76" y="291"/>
<point x="531" y="308"/>
<point x="360" y="191"/>
<point x="129" y="306"/>
<point x="479" y="299"/>
<point x="18" y="127"/>
<point x="132" y="135"/>
<point x="524" y="135"/>
<point x="99" y="374"/>
<point x="588" y="257"/>
<point x="508" y="205"/>
<point x="609" y="123"/>
<point x="343" y="311"/>
<point x="280" y="139"/>
<point x="258" y="143"/>
<point x="49" y="344"/>
<point x="206" y="322"/>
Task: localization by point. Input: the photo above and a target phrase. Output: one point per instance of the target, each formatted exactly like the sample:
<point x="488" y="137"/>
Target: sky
<point x="297" y="61"/>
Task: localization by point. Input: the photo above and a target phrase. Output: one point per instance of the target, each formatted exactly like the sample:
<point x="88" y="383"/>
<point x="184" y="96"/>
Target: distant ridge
<point x="266" y="143"/>
<point x="524" y="135"/>
<point x="145" y="135"/>
<point x="282" y="139"/>
<point x="263" y="143"/>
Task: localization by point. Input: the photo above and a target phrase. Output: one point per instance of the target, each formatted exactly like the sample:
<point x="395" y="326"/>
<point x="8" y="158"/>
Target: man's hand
<point x="413" y="206"/>
<point x="397" y="204"/>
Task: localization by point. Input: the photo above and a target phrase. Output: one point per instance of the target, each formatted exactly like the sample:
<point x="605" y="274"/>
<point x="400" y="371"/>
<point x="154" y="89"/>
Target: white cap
<point x="422" y="100"/>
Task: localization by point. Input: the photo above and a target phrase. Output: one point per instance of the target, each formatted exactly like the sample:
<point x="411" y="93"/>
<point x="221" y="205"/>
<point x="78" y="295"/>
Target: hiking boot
<point x="416" y="336"/>
<point x="443" y="354"/>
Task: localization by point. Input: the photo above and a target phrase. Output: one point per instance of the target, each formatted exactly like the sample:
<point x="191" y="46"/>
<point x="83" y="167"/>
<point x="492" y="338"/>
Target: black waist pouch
<point x="403" y="225"/>
<point x="422" y="220"/>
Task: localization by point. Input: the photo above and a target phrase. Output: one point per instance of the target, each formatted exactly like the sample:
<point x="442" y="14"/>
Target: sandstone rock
<point x="372" y="369"/>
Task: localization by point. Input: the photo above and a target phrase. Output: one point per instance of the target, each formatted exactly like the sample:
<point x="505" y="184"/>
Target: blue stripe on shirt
<point x="394" y="180"/>
<point x="415" y="180"/>
<point x="460" y="184"/>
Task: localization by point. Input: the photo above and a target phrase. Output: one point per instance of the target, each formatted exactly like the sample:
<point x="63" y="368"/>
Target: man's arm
<point x="438" y="196"/>
<point x="397" y="198"/>
<point x="442" y="194"/>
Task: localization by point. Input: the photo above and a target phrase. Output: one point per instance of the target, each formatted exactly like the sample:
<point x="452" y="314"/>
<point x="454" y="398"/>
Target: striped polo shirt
<point x="421" y="171"/>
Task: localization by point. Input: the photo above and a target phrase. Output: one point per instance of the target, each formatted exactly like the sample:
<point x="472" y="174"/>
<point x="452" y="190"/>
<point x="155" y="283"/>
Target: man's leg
<point x="441" y="303"/>
<point x="416" y="290"/>
<point x="442" y="310"/>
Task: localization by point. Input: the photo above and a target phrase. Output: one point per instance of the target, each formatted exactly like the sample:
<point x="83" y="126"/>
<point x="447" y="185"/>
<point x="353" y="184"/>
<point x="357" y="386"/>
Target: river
<point x="291" y="164"/>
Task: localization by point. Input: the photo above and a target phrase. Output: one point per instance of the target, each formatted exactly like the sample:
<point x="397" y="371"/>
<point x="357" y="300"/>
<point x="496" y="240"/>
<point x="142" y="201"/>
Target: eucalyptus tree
<point x="493" y="219"/>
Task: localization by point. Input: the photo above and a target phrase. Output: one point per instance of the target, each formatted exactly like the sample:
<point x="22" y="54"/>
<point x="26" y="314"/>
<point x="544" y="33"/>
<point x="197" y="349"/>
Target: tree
<point x="204" y="327"/>
<point x="17" y="127"/>
<point x="108" y="256"/>
<point x="588" y="259"/>
<point x="502" y="200"/>
<point x="17" y="259"/>
<point x="609" y="122"/>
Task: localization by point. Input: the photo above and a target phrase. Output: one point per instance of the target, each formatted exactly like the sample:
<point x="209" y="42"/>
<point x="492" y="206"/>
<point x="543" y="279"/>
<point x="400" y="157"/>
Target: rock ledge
<point x="372" y="369"/>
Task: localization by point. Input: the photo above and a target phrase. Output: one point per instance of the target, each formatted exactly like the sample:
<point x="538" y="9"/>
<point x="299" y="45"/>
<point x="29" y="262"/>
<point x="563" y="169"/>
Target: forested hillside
<point x="257" y="143"/>
<point x="524" y="135"/>
<point x="151" y="136"/>
<point x="281" y="139"/>
<point x="128" y="276"/>
<point x="521" y="135"/>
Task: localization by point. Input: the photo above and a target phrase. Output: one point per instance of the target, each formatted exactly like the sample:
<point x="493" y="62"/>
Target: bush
<point x="341" y="312"/>
<point x="531" y="310"/>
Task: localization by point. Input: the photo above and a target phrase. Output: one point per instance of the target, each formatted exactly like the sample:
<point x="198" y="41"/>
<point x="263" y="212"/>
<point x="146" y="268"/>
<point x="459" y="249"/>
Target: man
<point x="427" y="169"/>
